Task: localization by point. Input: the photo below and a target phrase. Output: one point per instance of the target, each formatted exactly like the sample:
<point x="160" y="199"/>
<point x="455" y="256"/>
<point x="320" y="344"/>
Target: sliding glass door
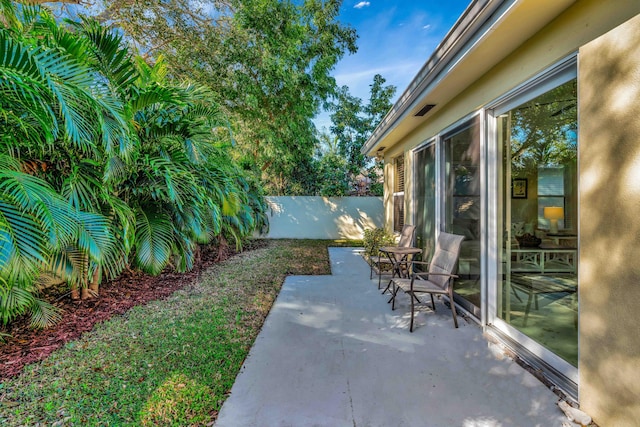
<point x="425" y="199"/>
<point x="462" y="208"/>
<point x="537" y="225"/>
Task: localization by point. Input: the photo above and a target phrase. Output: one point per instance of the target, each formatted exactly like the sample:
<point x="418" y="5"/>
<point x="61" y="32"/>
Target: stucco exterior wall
<point x="609" y="156"/>
<point x="306" y="217"/>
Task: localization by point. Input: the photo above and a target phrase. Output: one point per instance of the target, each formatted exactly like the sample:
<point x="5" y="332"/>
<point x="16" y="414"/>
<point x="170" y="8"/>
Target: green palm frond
<point x="66" y="265"/>
<point x="82" y="188"/>
<point x="9" y="163"/>
<point x="17" y="300"/>
<point x="23" y="89"/>
<point x="114" y="260"/>
<point x="14" y="301"/>
<point x="79" y="121"/>
<point x="43" y="314"/>
<point x="194" y="222"/>
<point x="235" y="235"/>
<point x="25" y="189"/>
<point x="70" y="264"/>
<point x="94" y="237"/>
<point x="59" y="90"/>
<point x="142" y="98"/>
<point x="177" y="181"/>
<point x="232" y="203"/>
<point x="9" y="14"/>
<point x="151" y="74"/>
<point x="184" y="250"/>
<point x="115" y="170"/>
<point x="36" y="197"/>
<point x="23" y="243"/>
<point x="110" y="53"/>
<point x="122" y="219"/>
<point x="154" y="240"/>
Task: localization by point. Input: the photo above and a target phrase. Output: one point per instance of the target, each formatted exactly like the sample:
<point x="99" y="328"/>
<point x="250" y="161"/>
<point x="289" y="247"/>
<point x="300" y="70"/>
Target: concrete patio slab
<point x="333" y="353"/>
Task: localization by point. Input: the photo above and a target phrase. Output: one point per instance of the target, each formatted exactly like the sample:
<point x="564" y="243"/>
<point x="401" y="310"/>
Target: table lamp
<point x="553" y="214"/>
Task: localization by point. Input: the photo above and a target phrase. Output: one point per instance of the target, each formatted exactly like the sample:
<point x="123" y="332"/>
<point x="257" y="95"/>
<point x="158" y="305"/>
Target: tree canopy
<point x="267" y="62"/>
<point x="352" y="123"/>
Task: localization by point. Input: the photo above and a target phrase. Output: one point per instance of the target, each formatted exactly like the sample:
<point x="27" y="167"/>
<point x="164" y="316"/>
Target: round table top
<point x="400" y="250"/>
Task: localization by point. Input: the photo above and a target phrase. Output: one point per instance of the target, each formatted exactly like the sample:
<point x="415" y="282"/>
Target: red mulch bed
<point x="26" y="345"/>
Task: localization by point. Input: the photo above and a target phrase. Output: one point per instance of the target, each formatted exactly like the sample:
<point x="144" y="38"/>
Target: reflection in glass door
<point x="462" y="213"/>
<point x="538" y="277"/>
<point x="425" y="199"/>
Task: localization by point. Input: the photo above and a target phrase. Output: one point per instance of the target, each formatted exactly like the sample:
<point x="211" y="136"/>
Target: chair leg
<point x="453" y="309"/>
<point x="433" y="304"/>
<point x="412" y="312"/>
<point x="394" y="292"/>
<point x="388" y="288"/>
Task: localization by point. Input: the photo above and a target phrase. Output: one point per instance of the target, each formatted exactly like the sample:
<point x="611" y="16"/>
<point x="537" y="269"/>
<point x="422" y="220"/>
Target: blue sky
<point x="395" y="38"/>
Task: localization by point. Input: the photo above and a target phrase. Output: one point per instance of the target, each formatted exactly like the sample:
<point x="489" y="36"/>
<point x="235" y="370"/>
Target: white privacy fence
<point x="308" y="217"/>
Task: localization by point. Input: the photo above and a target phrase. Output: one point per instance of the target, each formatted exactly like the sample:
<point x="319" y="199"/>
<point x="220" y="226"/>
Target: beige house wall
<point x="307" y="217"/>
<point x="609" y="156"/>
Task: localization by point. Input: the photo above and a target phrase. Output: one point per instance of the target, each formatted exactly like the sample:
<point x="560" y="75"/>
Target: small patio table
<point x="398" y="256"/>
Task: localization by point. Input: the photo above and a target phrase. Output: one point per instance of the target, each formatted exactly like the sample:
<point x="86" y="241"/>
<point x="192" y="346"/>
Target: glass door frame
<point x="559" y="73"/>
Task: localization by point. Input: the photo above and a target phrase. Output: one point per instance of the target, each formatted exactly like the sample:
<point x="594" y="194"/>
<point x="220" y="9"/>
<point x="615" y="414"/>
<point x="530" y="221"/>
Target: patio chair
<point x="437" y="280"/>
<point x="381" y="264"/>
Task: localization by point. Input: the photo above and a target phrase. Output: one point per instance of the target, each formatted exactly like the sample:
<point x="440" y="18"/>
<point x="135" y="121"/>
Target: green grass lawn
<point x="168" y="363"/>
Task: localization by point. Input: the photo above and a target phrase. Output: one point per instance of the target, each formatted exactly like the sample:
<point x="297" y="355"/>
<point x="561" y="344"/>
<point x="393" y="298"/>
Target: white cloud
<point x="362" y="4"/>
<point x="426" y="27"/>
<point x="397" y="72"/>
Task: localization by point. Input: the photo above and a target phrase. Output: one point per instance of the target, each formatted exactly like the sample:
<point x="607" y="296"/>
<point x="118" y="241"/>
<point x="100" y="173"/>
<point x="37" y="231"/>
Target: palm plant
<point x="40" y="239"/>
<point x="51" y="111"/>
<point x="103" y="161"/>
<point x="176" y="209"/>
<point x="179" y="179"/>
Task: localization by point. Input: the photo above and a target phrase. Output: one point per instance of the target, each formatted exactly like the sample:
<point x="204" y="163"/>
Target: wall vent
<point x="425" y="110"/>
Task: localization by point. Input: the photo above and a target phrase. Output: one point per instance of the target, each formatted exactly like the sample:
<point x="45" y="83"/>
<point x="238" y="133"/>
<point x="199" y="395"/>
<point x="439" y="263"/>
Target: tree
<point x="353" y="123"/>
<point x="268" y="63"/>
<point x="51" y="104"/>
<point x="271" y="69"/>
<point x="332" y="176"/>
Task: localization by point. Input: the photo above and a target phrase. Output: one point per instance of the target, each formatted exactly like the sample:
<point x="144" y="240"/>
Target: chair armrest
<point x="421" y="262"/>
<point x="426" y="273"/>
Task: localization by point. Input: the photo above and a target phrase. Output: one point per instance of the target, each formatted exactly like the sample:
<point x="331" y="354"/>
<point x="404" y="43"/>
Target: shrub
<point x="374" y="238"/>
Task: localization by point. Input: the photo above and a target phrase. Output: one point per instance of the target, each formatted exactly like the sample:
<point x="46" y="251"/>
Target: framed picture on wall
<point x="519" y="188"/>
